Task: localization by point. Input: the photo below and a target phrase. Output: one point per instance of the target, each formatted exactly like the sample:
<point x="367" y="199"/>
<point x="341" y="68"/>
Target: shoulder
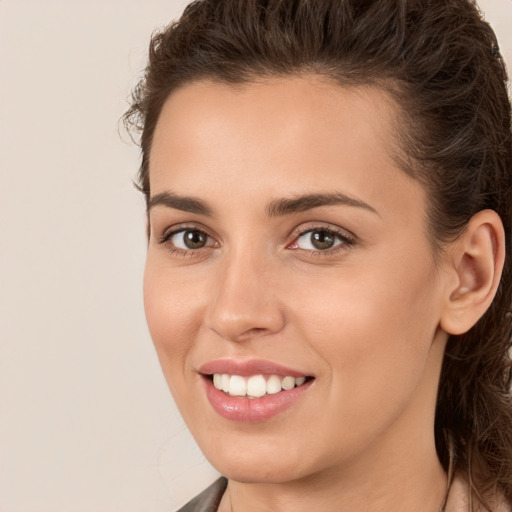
<point x="208" y="500"/>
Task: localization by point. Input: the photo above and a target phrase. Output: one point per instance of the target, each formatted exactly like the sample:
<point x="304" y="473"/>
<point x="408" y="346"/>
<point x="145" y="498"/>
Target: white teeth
<point x="300" y="380"/>
<point x="255" y="386"/>
<point x="273" y="384"/>
<point x="224" y="382"/>
<point x="237" y="386"/>
<point x="288" y="383"/>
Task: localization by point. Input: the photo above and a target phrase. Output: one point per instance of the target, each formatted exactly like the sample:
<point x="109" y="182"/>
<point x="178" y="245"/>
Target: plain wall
<point x="86" y="420"/>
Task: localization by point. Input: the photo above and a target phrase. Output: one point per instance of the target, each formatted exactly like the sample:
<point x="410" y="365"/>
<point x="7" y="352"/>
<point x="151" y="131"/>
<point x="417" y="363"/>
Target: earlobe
<point x="477" y="260"/>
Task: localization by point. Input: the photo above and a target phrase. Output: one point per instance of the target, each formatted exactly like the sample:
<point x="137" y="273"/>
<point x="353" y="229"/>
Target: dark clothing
<point x="208" y="500"/>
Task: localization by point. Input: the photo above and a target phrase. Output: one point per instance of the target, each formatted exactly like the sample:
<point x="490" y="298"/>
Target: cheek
<point x="173" y="316"/>
<point x="373" y="324"/>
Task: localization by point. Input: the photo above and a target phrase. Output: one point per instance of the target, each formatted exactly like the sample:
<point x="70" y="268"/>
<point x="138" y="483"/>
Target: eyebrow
<point x="276" y="208"/>
<point x="308" y="202"/>
<point x="184" y="203"/>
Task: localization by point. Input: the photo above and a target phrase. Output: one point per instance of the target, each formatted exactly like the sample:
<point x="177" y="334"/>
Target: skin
<point x="363" y="318"/>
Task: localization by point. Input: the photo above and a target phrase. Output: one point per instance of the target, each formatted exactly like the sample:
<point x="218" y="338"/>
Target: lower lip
<point x="248" y="410"/>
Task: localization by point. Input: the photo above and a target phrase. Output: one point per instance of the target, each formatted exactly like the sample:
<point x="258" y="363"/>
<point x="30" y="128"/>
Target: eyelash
<point x="343" y="237"/>
<point x="167" y="235"/>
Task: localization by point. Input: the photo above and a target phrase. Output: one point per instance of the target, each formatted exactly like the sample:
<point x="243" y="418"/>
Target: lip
<point x="248" y="368"/>
<point x="248" y="410"/>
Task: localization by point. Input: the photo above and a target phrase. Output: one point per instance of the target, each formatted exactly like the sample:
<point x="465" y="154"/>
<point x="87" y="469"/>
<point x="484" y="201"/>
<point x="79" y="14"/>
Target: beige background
<point x="86" y="421"/>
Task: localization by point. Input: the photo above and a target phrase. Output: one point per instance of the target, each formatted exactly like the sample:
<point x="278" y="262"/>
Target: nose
<point x="245" y="301"/>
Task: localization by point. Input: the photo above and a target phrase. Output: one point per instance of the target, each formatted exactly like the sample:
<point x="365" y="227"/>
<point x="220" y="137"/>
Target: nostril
<point x="257" y="330"/>
<point x="252" y="333"/>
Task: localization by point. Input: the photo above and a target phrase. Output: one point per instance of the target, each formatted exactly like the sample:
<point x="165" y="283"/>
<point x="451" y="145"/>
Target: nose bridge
<point x="244" y="303"/>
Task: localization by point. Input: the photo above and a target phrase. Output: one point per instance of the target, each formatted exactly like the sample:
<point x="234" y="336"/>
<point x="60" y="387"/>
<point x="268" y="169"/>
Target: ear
<point x="477" y="260"/>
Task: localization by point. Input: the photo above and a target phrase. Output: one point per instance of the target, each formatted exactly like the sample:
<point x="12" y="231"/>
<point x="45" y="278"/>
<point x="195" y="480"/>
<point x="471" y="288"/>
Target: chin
<point x="248" y="473"/>
<point x="258" y="463"/>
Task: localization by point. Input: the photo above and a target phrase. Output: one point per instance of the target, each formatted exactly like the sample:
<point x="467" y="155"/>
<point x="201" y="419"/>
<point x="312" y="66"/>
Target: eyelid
<point x="165" y="240"/>
<point x="347" y="238"/>
<point x="176" y="228"/>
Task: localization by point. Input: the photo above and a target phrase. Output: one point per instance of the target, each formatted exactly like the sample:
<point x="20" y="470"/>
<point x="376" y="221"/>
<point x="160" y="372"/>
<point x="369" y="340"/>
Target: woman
<point x="328" y="280"/>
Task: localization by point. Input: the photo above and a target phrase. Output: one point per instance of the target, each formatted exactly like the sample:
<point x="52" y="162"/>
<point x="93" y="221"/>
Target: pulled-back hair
<point x="440" y="62"/>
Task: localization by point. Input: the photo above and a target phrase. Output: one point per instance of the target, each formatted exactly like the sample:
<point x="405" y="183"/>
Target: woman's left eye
<point x="320" y="239"/>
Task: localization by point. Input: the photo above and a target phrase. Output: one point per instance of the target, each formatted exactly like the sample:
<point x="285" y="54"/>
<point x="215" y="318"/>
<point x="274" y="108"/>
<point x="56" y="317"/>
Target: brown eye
<point x="322" y="240"/>
<point x="189" y="239"/>
<point x="194" y="239"/>
<point x="318" y="240"/>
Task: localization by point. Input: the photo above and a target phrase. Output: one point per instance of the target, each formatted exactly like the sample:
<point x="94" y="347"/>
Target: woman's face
<point x="285" y="242"/>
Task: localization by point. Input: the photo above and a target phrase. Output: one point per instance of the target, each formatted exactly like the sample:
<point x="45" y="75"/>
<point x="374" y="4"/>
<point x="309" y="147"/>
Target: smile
<point x="255" y="386"/>
<point x="253" y="390"/>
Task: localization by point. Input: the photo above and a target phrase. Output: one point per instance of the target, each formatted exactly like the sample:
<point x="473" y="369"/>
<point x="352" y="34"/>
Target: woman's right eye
<point x="188" y="239"/>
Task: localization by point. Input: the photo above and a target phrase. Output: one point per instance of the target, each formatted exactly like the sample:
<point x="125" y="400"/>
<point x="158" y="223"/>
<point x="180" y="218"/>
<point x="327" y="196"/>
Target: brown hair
<point x="441" y="62"/>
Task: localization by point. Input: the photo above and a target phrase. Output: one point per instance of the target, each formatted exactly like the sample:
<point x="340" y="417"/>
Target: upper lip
<point x="249" y="367"/>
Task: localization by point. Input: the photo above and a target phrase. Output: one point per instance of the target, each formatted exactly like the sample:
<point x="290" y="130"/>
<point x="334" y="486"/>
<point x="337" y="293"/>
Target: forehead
<point x="289" y="108"/>
<point x="290" y="134"/>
